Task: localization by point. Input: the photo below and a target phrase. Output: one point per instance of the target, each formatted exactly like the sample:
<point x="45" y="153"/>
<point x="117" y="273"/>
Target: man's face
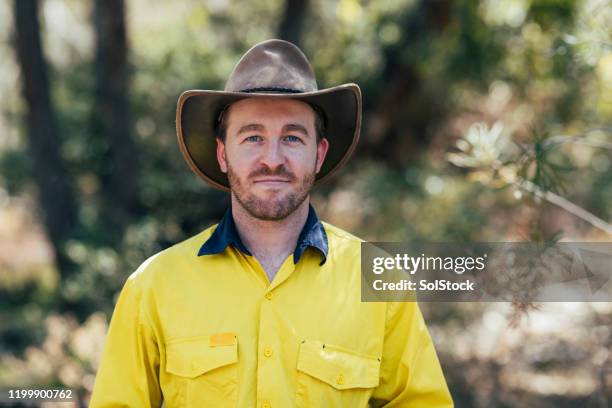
<point x="271" y="155"/>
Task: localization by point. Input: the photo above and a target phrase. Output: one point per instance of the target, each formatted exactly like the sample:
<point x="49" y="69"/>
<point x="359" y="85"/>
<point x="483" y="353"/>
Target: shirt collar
<point x="312" y="235"/>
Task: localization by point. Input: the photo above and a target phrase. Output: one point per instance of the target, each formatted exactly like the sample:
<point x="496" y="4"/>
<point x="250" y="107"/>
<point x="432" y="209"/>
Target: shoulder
<point x="341" y="242"/>
<point x="339" y="235"/>
<point x="160" y="265"/>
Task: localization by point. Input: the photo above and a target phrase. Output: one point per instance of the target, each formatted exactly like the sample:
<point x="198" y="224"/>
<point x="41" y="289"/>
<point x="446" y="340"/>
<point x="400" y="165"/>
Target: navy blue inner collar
<point x="312" y="235"/>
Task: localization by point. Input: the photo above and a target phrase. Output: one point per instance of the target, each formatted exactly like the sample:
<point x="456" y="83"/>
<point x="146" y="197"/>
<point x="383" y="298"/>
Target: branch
<point x="565" y="204"/>
<point x="579" y="140"/>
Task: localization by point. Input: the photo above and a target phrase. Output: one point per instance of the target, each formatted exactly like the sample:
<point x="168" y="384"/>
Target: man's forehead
<point x="260" y="110"/>
<point x="259" y="127"/>
<point x="271" y="108"/>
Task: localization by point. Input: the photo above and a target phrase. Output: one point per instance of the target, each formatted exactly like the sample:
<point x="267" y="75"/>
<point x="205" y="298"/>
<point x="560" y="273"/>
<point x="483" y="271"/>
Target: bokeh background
<point x="484" y="120"/>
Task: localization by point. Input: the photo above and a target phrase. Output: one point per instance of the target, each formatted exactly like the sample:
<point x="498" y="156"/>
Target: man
<point x="263" y="309"/>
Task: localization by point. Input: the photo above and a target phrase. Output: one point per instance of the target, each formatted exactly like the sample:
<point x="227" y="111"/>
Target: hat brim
<point x="197" y="112"/>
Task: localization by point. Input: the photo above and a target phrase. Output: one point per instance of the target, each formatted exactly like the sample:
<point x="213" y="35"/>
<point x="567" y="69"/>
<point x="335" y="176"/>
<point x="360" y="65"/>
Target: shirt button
<point x="269" y="295"/>
<point x="266" y="404"/>
<point x="268" y="352"/>
<point x="340" y="379"/>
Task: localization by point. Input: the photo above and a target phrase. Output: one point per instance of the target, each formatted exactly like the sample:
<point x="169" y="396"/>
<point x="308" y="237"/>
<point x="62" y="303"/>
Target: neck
<point x="269" y="239"/>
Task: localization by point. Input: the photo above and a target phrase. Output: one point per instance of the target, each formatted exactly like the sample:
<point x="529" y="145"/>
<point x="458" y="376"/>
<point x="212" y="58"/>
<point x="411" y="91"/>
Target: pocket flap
<point x="194" y="356"/>
<point x="337" y="366"/>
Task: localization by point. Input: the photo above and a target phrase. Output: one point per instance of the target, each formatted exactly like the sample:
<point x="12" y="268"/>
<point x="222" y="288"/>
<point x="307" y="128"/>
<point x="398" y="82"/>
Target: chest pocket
<point x="204" y="369"/>
<point x="333" y="376"/>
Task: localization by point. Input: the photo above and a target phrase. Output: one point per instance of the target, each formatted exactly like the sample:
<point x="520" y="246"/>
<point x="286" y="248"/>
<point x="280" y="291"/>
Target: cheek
<point x="303" y="163"/>
<point x="302" y="166"/>
<point x="240" y="163"/>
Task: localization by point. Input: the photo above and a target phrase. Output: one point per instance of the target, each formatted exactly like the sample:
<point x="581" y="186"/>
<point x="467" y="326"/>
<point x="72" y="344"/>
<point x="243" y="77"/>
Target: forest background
<point x="484" y="121"/>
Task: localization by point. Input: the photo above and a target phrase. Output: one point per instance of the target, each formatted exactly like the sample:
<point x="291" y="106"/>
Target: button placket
<point x="266" y="342"/>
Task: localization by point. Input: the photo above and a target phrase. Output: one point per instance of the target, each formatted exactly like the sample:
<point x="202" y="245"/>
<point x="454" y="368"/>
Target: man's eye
<point x="253" y="139"/>
<point x="292" y="138"/>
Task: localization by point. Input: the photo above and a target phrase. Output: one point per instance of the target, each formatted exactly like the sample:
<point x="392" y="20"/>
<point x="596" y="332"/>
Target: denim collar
<point x="312" y="235"/>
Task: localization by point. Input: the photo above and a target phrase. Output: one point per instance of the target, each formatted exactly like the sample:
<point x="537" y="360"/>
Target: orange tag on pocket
<point x="222" y="339"/>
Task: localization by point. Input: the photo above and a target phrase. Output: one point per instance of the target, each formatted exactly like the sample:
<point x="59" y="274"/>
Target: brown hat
<point x="272" y="68"/>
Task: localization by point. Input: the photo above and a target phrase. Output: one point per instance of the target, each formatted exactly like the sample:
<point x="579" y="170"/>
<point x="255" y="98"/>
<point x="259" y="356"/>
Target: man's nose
<point x="273" y="155"/>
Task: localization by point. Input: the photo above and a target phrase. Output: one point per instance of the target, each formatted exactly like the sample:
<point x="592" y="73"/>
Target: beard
<point x="270" y="209"/>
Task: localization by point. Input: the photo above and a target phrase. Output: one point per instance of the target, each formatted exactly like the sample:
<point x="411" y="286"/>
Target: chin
<point x="272" y="198"/>
<point x="271" y="191"/>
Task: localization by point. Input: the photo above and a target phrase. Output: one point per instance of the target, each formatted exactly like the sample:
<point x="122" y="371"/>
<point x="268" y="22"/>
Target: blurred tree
<point x="56" y="195"/>
<point x="111" y="118"/>
<point x="292" y="21"/>
<point x="401" y="113"/>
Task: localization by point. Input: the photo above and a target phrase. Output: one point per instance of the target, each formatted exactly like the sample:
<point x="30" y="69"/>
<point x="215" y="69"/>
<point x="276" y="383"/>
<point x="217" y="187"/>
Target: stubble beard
<point x="270" y="209"/>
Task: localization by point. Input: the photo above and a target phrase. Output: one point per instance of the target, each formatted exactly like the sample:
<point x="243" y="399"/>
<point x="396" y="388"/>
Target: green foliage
<point x="540" y="166"/>
<point x="14" y="171"/>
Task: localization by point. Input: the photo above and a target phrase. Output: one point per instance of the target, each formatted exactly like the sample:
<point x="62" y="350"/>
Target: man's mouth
<point x="271" y="180"/>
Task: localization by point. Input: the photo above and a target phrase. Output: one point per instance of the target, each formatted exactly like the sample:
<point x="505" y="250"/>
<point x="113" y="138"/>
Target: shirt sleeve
<point x="410" y="374"/>
<point x="128" y="373"/>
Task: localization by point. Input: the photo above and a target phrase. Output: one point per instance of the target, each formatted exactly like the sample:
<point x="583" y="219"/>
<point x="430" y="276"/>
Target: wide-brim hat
<point x="272" y="68"/>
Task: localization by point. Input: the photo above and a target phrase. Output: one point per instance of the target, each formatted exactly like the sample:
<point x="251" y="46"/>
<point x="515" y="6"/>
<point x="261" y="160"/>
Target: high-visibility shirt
<point x="200" y="325"/>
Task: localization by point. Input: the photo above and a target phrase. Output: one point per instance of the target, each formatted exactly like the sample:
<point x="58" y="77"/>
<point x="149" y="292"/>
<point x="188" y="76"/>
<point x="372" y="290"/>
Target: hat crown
<point x="272" y="66"/>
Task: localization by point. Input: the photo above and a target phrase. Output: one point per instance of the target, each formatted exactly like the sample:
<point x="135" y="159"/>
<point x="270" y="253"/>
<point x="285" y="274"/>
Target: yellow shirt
<point x="212" y="331"/>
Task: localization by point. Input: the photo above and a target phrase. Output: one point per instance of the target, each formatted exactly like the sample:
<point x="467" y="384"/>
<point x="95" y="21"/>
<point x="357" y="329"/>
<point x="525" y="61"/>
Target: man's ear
<point x="221" y="155"/>
<point x="322" y="148"/>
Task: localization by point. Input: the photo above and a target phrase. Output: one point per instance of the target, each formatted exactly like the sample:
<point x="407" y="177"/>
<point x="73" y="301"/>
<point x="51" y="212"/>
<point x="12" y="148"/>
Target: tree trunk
<point x="111" y="117"/>
<point x="56" y="196"/>
<point x="292" y="21"/>
<point x="400" y="115"/>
